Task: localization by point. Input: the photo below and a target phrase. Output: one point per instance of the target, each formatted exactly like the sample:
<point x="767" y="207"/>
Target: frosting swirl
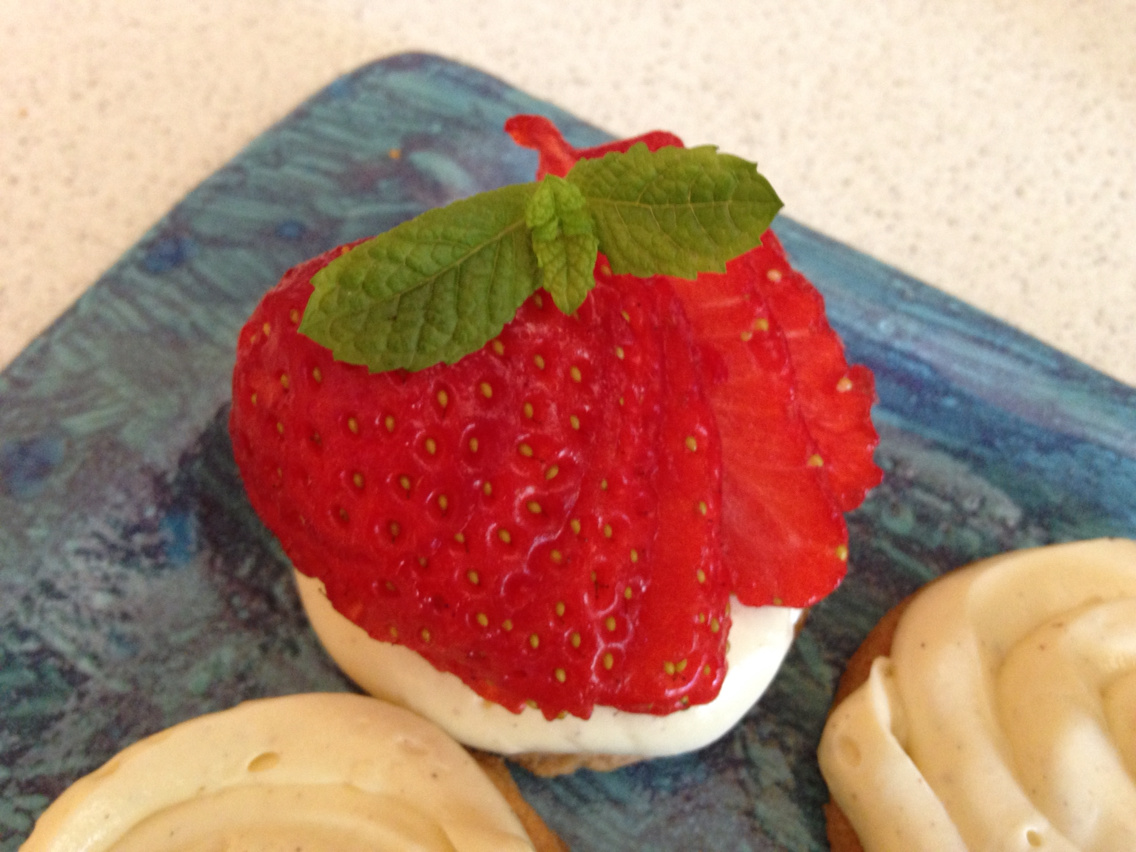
<point x="321" y="772"/>
<point x="1005" y="715"/>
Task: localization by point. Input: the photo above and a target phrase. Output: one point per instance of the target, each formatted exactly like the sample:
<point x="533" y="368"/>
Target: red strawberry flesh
<point x="782" y="531"/>
<point x="794" y="417"/>
<point x="515" y="517"/>
<point x="560" y="518"/>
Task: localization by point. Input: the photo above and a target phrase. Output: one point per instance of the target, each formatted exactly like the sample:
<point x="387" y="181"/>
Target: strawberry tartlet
<point x="558" y="466"/>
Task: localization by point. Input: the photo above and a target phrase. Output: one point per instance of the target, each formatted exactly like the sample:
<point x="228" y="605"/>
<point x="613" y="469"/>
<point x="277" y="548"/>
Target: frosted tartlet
<point x="994" y="709"/>
<point x="315" y="771"/>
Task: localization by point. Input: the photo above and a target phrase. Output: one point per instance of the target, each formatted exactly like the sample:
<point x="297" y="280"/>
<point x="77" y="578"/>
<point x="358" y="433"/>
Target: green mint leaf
<point x="443" y="285"/>
<point x="675" y="211"/>
<point x="564" y="240"/>
<point x="432" y="289"/>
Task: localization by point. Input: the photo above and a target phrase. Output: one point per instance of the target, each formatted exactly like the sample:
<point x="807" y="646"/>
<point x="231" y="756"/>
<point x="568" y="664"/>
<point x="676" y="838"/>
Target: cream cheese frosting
<point x="1004" y="716"/>
<point x="759" y="639"/>
<point x="321" y="772"/>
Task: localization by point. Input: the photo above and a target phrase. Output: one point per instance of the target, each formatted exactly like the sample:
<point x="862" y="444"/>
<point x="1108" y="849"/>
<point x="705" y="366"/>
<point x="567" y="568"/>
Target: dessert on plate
<point x="560" y="465"/>
<point x="318" y="771"/>
<point x="994" y="709"/>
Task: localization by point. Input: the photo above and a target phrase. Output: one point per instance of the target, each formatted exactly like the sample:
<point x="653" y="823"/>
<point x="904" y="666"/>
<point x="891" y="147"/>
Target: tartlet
<point x="323" y="770"/>
<point x="995" y="708"/>
<point x="561" y="464"/>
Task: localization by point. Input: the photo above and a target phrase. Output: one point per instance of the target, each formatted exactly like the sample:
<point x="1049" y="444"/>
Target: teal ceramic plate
<point x="137" y="589"/>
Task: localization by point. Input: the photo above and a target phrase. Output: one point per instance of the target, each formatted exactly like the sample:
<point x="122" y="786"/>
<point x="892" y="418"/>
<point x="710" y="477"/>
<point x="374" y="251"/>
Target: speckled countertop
<point x="984" y="146"/>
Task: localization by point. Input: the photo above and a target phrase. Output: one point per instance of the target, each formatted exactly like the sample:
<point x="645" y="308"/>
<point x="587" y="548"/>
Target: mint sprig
<point x="431" y="289"/>
<point x="442" y="285"/>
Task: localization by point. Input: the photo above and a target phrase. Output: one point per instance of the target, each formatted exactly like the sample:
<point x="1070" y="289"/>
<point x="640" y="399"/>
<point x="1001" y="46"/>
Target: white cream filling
<point x="318" y="772"/>
<point x="1005" y="716"/>
<point x="759" y="639"/>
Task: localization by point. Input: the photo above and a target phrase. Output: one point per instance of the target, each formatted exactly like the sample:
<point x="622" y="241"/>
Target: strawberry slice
<point x="784" y="537"/>
<point x="560" y="517"/>
<point x="676" y="635"/>
<point x="835" y="398"/>
<point x="794" y="417"/>
<point x="539" y="518"/>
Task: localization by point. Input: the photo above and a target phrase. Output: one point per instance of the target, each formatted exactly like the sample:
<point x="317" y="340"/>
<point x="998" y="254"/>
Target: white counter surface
<point x="987" y="147"/>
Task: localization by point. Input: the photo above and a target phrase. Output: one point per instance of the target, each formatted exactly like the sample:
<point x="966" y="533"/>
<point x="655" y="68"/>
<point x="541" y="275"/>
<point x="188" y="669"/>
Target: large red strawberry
<point x="794" y="417"/>
<point x="560" y="517"/>
<point x="540" y="518"/>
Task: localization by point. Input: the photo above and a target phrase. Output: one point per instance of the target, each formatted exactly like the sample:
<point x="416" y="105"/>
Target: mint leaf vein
<point x="429" y="290"/>
<point x="675" y="211"/>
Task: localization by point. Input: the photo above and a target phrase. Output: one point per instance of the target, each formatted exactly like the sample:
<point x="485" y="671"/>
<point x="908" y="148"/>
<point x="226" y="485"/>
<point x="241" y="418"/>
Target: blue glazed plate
<point x="137" y="589"/>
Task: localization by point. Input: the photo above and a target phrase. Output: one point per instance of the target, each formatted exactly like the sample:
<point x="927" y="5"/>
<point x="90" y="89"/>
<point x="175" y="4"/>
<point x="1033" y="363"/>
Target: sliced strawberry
<point x="530" y="518"/>
<point x="674" y="635"/>
<point x="784" y="538"/>
<point x="794" y="417"/>
<point x="559" y="518"/>
<point x="835" y="398"/>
